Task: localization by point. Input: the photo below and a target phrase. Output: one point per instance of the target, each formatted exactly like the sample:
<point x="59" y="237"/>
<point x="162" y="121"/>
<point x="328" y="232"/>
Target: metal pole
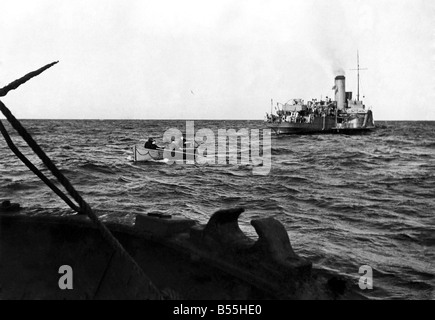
<point x="357" y="59"/>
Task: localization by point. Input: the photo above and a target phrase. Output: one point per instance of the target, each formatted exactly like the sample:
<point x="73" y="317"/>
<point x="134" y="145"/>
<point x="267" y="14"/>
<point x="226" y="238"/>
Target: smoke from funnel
<point x="339" y="72"/>
<point x="331" y="41"/>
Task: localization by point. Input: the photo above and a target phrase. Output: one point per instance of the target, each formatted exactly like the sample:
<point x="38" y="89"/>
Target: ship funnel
<point x="340" y="92"/>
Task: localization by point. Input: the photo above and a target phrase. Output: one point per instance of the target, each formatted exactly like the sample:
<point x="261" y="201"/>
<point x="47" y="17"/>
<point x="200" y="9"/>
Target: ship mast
<point x="357" y="62"/>
<point x="358" y="69"/>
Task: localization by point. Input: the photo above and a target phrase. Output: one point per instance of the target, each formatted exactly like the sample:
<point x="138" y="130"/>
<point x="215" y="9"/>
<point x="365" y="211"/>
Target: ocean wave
<point x="282" y="151"/>
<point x="430" y="144"/>
<point x="98" y="168"/>
<point x="23" y="185"/>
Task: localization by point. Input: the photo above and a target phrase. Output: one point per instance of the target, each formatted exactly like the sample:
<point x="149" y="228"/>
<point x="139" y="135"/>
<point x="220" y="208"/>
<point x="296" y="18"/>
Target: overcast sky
<point x="215" y="59"/>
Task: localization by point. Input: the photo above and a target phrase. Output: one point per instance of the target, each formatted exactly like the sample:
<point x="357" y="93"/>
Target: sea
<point x="346" y="201"/>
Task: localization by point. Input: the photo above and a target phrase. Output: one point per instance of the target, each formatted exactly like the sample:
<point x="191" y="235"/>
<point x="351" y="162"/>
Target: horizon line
<point x="163" y="119"/>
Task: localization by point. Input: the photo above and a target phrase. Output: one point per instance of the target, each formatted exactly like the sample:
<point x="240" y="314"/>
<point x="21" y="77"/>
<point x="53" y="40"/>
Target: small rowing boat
<point x="141" y="153"/>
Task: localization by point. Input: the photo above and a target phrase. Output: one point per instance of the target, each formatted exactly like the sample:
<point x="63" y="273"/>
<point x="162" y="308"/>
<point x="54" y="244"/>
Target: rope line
<point x="35" y="170"/>
<point x="173" y="151"/>
<point x="149" y="154"/>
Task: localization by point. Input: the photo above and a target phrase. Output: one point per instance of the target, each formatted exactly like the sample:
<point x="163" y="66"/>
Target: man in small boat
<point x="151" y="144"/>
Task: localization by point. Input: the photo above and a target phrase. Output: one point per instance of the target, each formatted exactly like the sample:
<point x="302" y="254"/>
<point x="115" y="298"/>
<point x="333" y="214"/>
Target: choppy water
<point x="346" y="201"/>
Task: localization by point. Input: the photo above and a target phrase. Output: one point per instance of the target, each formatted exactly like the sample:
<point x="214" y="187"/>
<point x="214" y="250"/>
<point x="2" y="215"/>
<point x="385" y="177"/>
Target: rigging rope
<point x="84" y="206"/>
<point x="35" y="170"/>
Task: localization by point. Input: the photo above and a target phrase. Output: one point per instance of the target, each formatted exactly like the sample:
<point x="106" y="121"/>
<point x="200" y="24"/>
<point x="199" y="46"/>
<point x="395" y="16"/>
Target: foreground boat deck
<point x="183" y="258"/>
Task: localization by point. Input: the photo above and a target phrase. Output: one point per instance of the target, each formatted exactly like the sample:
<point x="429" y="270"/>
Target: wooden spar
<point x="15" y="84"/>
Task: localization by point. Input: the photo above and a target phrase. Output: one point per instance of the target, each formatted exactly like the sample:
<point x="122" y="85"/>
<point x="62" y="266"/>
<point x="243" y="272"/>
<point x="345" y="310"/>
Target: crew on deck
<point x="304" y="113"/>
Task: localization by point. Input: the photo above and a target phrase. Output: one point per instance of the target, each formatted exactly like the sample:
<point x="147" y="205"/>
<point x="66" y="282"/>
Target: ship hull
<point x="141" y="154"/>
<point x="354" y="124"/>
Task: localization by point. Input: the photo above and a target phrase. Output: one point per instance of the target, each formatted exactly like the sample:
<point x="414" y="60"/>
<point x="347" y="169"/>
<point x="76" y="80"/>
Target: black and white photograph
<point x="232" y="152"/>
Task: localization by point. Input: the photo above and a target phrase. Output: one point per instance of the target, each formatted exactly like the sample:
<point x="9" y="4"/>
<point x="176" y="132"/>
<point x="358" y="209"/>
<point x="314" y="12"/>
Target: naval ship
<point x="344" y="115"/>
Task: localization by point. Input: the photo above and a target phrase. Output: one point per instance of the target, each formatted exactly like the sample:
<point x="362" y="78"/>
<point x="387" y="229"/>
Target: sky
<point x="210" y="59"/>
